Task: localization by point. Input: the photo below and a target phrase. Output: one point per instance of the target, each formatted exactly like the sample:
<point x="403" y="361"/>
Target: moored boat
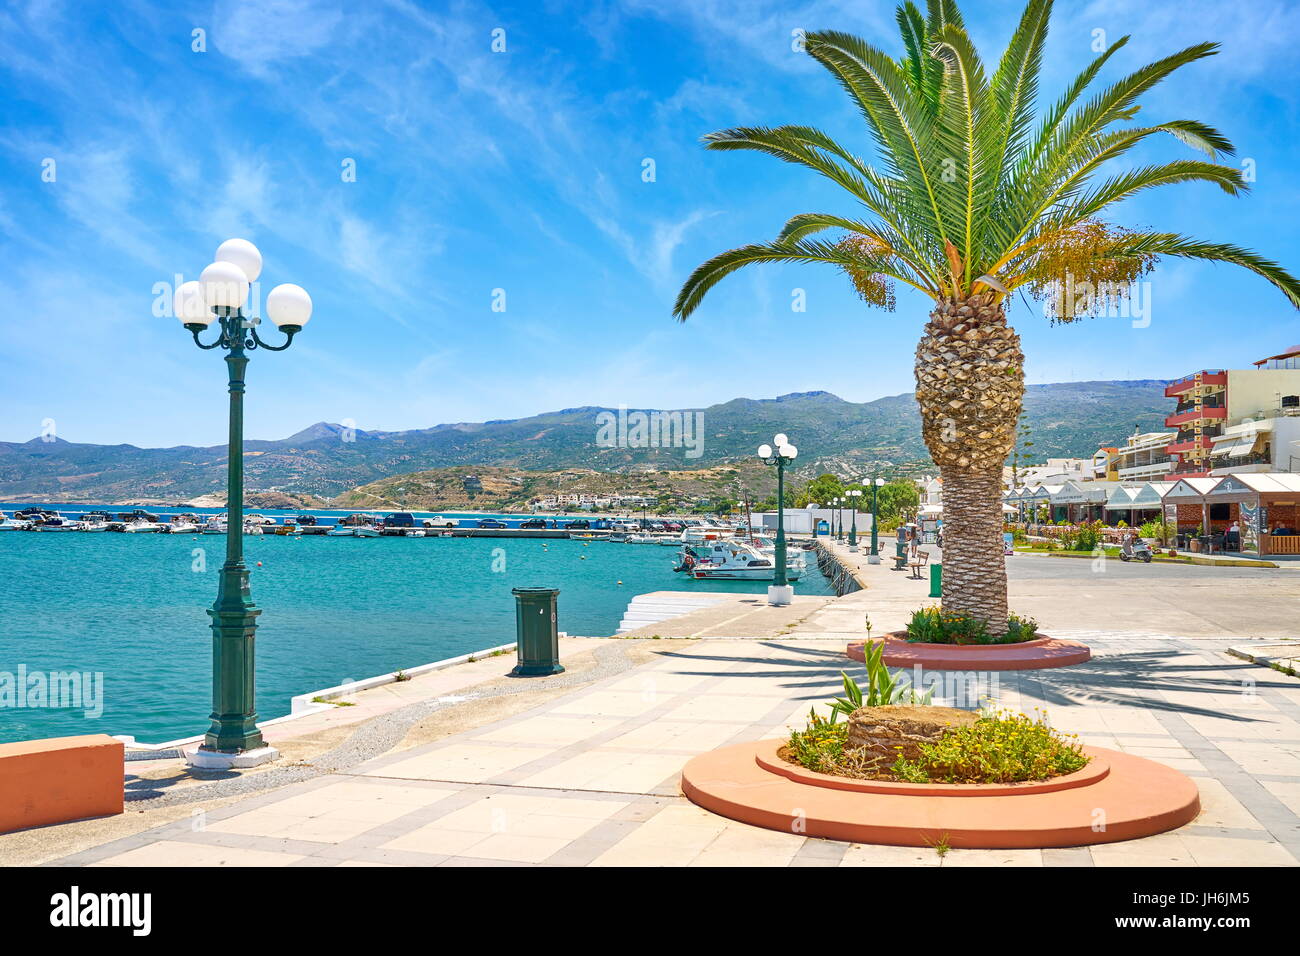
<point x="732" y="560"/>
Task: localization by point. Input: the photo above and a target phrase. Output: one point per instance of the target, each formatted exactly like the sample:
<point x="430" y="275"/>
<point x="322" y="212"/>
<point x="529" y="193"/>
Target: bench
<point x="59" y="779"/>
<point x="921" y="560"/>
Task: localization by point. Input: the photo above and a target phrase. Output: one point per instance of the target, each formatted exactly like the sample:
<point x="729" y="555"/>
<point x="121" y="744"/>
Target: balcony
<point x="1183" y="447"/>
<point x="1210" y="376"/>
<point x="1207" y="413"/>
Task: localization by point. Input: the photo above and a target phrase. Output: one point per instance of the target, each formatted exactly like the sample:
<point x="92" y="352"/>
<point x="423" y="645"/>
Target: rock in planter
<point x="886" y="733"/>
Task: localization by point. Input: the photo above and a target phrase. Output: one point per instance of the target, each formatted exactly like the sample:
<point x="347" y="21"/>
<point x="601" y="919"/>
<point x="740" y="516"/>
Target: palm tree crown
<point x="975" y="191"/>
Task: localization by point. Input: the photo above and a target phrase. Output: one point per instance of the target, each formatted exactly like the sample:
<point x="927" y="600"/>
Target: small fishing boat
<point x="365" y="531"/>
<point x="413" y="533"/>
<point x="139" y="525"/>
<point x="13" y="524"/>
<point x="53" y="521"/>
<point x="341" y="531"/>
<point x="253" y="527"/>
<point x="215" y="525"/>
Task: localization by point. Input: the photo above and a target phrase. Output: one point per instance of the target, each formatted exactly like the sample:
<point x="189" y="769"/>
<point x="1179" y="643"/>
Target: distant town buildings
<point x="589" y="502"/>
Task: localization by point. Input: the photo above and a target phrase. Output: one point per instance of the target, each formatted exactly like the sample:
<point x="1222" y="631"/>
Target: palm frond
<point x="706" y="276"/>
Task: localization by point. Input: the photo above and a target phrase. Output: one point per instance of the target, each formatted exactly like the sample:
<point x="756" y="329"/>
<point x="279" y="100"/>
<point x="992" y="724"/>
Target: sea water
<point x="131" y="608"/>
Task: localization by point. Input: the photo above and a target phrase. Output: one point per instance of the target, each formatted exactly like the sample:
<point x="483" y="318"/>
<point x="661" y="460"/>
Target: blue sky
<point x="522" y="171"/>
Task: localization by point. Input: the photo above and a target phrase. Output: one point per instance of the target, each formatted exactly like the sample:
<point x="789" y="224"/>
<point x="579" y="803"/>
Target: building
<point x="1228" y="420"/>
<point x="1105" y="464"/>
<point x="1144" y="456"/>
<point x="1249" y="512"/>
<point x="1054" y="471"/>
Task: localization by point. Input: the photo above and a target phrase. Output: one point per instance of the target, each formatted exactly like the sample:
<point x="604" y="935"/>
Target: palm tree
<point x="977" y="193"/>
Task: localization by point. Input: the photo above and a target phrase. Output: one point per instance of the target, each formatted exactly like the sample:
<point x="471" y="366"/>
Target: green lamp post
<point x="780" y="593"/>
<point x="875" y="520"/>
<point x="854" y="495"/>
<point x="220" y="294"/>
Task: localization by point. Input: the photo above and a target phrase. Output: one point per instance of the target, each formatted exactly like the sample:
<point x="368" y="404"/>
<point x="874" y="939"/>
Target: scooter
<point x="1140" y="550"/>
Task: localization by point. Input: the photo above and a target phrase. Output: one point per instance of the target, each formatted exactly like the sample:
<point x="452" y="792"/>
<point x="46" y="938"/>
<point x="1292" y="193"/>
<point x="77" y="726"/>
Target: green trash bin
<point x="936" y="580"/>
<point x="537" y="639"/>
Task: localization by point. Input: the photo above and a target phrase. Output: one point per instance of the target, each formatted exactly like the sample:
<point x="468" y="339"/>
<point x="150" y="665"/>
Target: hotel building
<point x="1229" y="421"/>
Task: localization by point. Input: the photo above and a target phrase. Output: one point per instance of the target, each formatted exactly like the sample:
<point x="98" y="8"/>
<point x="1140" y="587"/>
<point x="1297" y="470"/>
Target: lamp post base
<point x="873" y="559"/>
<point x="780" y="596"/>
<point x="204" y="759"/>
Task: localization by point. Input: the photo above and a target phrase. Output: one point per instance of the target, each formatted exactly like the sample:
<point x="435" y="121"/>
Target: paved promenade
<point x="583" y="768"/>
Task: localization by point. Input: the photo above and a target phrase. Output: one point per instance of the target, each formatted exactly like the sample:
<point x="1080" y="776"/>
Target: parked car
<point x="492" y="523"/>
<point x="582" y="524"/>
<point x="399" y="519"/>
<point x="534" y="523"/>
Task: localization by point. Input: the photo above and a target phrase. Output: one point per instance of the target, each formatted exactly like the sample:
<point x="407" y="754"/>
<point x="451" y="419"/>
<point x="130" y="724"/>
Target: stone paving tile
<point x="175" y="853"/>
<point x="590" y="777"/>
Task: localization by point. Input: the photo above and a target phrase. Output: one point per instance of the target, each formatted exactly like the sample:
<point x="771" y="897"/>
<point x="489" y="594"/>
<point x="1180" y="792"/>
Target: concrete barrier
<point x="59" y="779"/>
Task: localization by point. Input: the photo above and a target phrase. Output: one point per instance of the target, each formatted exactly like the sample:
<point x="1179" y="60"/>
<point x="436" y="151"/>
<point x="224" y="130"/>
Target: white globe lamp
<point x="289" y="306"/>
<point x="224" y="285"/>
<point x="242" y="253"/>
<point x="189" y="306"/>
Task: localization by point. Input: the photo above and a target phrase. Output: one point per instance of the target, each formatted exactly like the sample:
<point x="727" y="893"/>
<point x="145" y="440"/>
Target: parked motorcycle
<point x="1135" y="550"/>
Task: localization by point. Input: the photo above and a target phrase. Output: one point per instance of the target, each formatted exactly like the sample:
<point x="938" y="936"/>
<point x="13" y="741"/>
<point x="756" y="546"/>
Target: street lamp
<point x="780" y="593"/>
<point x="220" y="294"/>
<point x="876" y="483"/>
<point x="854" y="495"/>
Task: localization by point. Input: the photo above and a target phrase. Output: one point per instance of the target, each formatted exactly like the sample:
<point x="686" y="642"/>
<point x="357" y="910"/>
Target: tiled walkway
<point x="591" y="777"/>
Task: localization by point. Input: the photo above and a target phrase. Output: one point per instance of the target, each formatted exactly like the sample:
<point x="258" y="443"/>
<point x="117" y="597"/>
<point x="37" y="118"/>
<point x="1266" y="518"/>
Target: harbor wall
<point x="843" y="579"/>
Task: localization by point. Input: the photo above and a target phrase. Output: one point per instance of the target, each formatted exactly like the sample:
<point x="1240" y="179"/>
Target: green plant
<point x="1158" y="529"/>
<point x="997" y="748"/>
<point x="820" y="745"/>
<point x="882" y="687"/>
<point x="930" y="625"/>
<point x="1020" y="629"/>
<point x="400" y="676"/>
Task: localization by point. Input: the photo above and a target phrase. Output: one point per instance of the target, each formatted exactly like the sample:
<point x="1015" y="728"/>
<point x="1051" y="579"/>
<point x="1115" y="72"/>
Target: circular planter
<point x="1116" y="797"/>
<point x="773" y="762"/>
<point x="1037" y="654"/>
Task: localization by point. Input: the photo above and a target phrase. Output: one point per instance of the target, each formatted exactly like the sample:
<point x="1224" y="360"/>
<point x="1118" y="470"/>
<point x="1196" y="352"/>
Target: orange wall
<point x="59" y="779"/>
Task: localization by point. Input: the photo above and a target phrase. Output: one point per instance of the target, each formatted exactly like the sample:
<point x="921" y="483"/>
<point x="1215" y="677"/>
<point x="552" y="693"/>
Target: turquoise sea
<point x="132" y="607"/>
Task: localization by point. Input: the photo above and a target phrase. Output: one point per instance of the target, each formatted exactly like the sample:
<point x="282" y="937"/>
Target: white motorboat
<point x="253" y="527"/>
<point x="215" y="525"/>
<point x="13" y="524"/>
<point x="365" y="531"/>
<point x="413" y="533"/>
<point x="732" y="560"/>
<point x="184" y="524"/>
<point x="92" y="524"/>
<point x="141" y="526"/>
<point x="705" y="533"/>
<point x="341" y="531"/>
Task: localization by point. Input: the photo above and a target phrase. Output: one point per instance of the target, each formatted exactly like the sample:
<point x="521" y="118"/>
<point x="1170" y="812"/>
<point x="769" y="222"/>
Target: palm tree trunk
<point x="969" y="383"/>
<point x="974" y="570"/>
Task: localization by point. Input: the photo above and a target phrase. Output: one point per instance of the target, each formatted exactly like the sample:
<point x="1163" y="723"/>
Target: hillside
<point x="325" y="459"/>
<point x="473" y="488"/>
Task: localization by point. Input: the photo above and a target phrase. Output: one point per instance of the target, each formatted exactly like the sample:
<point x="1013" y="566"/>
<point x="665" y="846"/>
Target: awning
<point x="1243" y="447"/>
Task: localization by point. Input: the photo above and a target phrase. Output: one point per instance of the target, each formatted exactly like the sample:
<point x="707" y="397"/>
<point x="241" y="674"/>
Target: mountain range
<point x="325" y="460"/>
